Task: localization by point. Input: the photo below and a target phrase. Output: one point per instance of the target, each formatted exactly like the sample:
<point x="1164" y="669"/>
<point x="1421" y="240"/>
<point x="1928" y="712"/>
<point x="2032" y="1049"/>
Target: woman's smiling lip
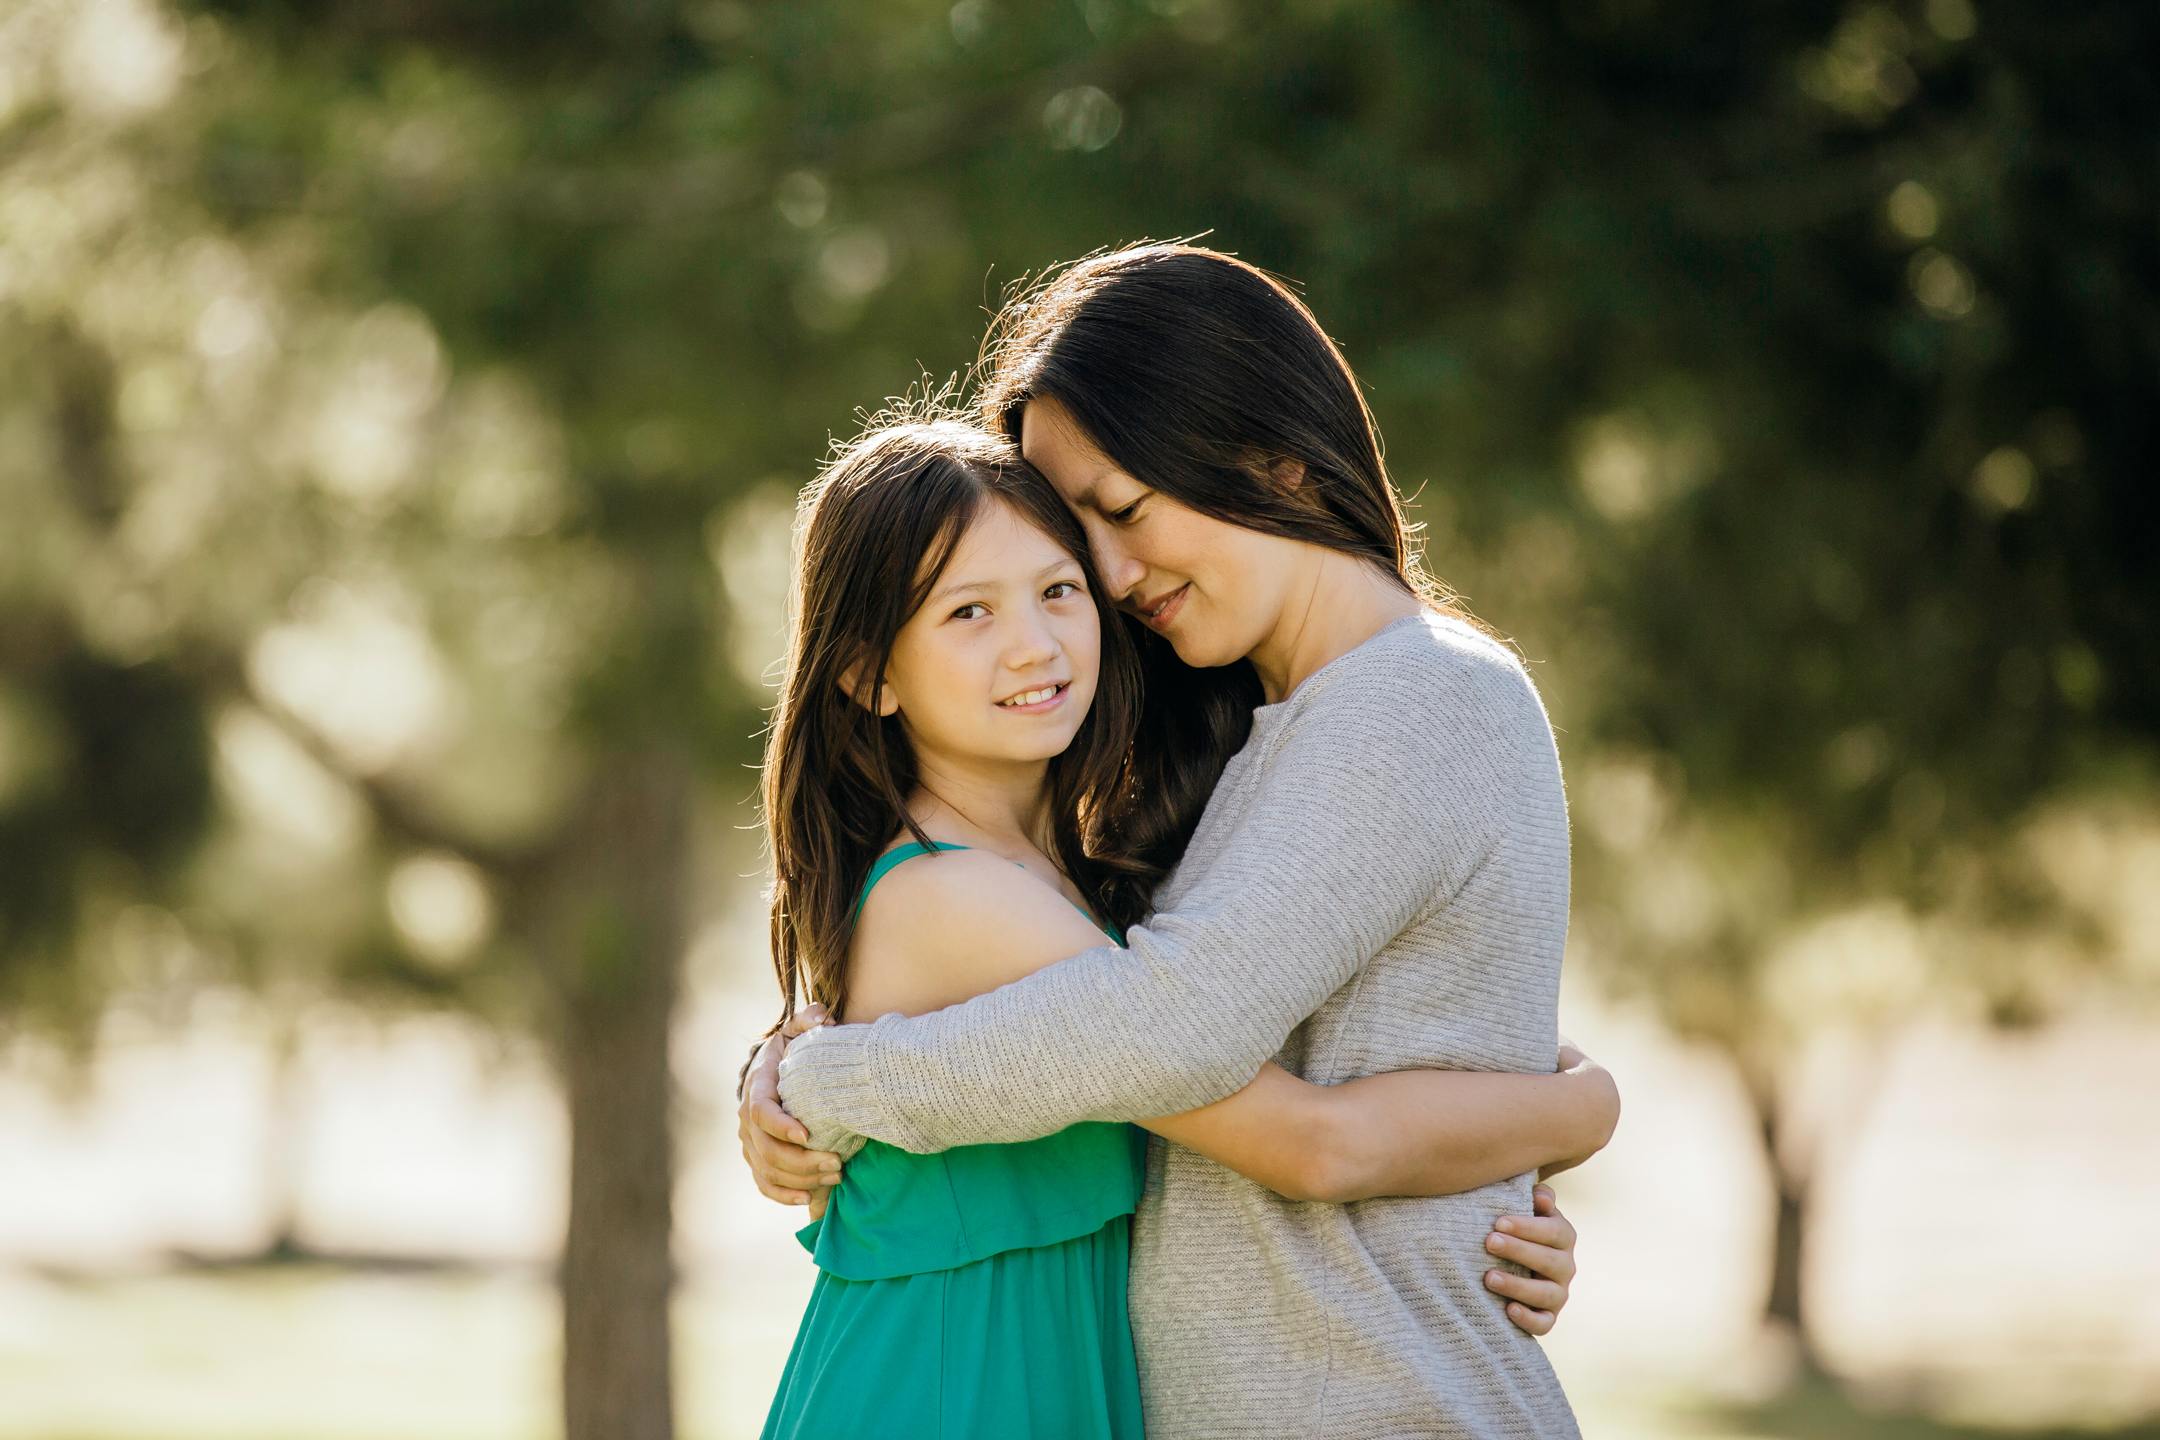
<point x="1158" y="612"/>
<point x="1053" y="695"/>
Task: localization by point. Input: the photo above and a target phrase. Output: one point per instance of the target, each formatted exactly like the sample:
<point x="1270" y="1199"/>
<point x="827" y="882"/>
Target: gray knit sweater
<point x="1380" y="883"/>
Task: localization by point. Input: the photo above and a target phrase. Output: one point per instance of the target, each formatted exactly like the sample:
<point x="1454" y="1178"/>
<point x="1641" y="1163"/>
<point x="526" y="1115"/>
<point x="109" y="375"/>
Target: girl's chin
<point x="1031" y="750"/>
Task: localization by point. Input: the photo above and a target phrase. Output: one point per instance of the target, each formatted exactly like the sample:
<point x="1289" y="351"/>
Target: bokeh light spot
<point x="441" y="908"/>
<point x="1912" y="211"/>
<point x="2004" y="480"/>
<point x="1082" y="118"/>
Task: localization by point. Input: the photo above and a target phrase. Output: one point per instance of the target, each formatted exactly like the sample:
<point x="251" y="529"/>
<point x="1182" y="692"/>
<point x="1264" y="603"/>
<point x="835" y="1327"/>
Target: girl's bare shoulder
<point x="942" y="928"/>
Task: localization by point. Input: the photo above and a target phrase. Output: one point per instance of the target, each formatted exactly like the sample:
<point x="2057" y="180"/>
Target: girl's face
<point x="1216" y="591"/>
<point x="1000" y="662"/>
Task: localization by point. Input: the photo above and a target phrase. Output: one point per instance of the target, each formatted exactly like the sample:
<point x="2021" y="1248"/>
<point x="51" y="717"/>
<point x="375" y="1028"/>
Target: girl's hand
<point x="1544" y="1244"/>
<point x="772" y="1139"/>
<point x="1600" y="1083"/>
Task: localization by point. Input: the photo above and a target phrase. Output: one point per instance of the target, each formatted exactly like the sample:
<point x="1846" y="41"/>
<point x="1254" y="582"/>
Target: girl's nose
<point x="1032" y="641"/>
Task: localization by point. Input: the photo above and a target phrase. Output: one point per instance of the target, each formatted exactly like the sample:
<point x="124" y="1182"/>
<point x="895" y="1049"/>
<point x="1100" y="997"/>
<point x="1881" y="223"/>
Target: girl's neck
<point x="1002" y="806"/>
<point x="1339" y="604"/>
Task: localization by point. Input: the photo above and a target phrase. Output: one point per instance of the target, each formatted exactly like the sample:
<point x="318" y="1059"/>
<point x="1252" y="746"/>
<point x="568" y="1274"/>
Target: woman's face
<point x="1216" y="591"/>
<point x="1000" y="662"/>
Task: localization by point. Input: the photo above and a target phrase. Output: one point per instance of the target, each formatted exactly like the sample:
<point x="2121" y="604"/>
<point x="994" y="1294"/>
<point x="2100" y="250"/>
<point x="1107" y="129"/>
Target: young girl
<point x="950" y="800"/>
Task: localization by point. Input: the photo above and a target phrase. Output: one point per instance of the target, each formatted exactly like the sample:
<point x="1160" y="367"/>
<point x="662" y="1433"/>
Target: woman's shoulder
<point x="1430" y="723"/>
<point x="1432" y="664"/>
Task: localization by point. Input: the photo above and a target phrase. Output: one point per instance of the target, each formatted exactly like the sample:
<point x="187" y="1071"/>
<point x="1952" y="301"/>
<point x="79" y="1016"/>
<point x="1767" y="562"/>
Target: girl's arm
<point x="1412" y="1132"/>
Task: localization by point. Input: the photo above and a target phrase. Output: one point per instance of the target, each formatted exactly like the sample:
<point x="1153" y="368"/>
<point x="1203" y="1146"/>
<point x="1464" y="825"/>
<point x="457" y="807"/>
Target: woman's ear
<point x="884" y="702"/>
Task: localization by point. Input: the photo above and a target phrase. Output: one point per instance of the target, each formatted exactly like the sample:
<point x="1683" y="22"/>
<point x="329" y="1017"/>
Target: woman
<point x="957" y="688"/>
<point x="1378" y="881"/>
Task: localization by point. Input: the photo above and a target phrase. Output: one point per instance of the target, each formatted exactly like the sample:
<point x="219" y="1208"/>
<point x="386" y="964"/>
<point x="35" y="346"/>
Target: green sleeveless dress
<point x="978" y="1292"/>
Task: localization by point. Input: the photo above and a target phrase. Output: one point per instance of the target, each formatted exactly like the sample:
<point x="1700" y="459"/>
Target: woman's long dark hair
<point x="876" y="530"/>
<point x="1201" y="377"/>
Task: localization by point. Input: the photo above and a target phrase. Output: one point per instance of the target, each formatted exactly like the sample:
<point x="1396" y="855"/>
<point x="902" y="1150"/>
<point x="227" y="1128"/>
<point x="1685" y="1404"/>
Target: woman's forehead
<point x="1049" y="432"/>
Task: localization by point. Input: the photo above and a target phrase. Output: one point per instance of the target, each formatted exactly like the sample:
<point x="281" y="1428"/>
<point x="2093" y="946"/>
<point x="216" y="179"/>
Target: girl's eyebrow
<point x="970" y="587"/>
<point x="961" y="587"/>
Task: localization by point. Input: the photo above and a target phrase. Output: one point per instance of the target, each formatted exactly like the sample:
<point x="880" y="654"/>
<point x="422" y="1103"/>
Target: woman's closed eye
<point x="1126" y="515"/>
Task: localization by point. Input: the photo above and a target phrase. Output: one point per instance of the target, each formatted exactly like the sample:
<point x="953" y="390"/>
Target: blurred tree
<point x="1778" y="374"/>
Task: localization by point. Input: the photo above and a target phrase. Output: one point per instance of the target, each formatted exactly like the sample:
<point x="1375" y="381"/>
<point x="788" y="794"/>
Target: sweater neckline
<point x="1265" y="716"/>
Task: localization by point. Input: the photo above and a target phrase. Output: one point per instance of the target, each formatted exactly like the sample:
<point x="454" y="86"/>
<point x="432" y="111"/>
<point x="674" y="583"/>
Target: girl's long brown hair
<point x="876" y="530"/>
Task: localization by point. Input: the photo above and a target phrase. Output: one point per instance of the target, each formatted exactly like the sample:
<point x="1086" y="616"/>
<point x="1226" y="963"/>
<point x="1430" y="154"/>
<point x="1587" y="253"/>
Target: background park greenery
<point x="402" y="402"/>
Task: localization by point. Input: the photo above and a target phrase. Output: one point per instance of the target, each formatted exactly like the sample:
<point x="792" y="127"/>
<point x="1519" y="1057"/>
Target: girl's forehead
<point x="999" y="545"/>
<point x="999" y="536"/>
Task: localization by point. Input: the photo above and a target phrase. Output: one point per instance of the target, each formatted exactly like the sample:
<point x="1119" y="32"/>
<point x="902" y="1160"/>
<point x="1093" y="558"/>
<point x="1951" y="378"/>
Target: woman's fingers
<point x="777" y="1193"/>
<point x="807" y="1018"/>
<point x="783" y="1162"/>
<point x="761" y="1094"/>
<point x="793" y="1167"/>
<point x="784" y="1171"/>
<point x="766" y="1180"/>
<point x="773" y="1141"/>
<point x="763" y="1114"/>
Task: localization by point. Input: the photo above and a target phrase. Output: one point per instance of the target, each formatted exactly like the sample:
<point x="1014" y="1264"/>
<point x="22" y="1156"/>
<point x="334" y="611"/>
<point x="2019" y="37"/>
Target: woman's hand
<point x="1544" y="1244"/>
<point x="772" y="1139"/>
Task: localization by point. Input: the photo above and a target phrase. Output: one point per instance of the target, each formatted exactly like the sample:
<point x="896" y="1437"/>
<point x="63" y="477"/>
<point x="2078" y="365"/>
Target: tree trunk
<point x="614" y="933"/>
<point x="1788" y="1239"/>
<point x="1785" y="1246"/>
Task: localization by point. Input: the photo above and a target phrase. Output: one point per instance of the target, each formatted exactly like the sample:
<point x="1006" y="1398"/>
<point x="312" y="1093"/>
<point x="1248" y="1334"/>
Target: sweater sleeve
<point x="1372" y="801"/>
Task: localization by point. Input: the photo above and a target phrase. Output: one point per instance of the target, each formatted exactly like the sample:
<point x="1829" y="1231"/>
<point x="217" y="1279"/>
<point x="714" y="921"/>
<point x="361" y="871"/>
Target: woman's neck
<point x="1339" y="604"/>
<point x="1000" y="805"/>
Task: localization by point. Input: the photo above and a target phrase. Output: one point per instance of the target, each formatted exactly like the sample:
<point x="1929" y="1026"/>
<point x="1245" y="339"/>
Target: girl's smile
<point x="1039" y="701"/>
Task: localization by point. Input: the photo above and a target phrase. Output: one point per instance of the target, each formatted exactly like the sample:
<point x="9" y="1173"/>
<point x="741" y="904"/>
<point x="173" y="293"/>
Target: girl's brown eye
<point x="1060" y="590"/>
<point x="962" y="612"/>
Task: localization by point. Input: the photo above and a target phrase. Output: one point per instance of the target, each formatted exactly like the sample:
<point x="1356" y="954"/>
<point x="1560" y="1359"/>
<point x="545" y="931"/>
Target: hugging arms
<point x="1190" y="1016"/>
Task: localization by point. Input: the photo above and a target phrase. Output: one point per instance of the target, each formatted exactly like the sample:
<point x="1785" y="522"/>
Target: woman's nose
<point x="1121" y="573"/>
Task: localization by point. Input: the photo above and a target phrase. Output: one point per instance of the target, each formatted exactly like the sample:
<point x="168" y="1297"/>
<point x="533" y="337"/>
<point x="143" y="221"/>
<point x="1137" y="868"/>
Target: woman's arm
<point x="1358" y="824"/>
<point x="1412" y="1132"/>
<point x="1542" y="1243"/>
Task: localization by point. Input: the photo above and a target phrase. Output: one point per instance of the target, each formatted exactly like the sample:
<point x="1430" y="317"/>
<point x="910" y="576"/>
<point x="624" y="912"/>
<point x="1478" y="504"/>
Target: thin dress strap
<point x="891" y="858"/>
<point x="909" y="851"/>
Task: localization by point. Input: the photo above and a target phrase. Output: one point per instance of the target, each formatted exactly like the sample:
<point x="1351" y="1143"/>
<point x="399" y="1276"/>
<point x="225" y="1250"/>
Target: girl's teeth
<point x="1033" y="697"/>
